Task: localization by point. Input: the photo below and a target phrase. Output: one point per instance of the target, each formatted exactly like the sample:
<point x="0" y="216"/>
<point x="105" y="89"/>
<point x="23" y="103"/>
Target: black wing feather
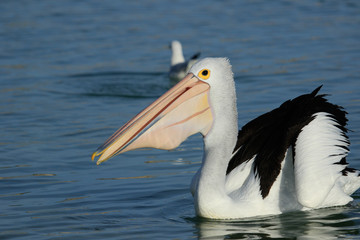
<point x="270" y="135"/>
<point x="195" y="56"/>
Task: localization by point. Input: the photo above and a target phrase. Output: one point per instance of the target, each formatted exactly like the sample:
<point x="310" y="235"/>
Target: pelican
<point x="179" y="67"/>
<point x="290" y="159"/>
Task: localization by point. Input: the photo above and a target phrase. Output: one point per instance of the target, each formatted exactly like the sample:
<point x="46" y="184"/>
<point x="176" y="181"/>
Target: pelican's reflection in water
<point x="318" y="224"/>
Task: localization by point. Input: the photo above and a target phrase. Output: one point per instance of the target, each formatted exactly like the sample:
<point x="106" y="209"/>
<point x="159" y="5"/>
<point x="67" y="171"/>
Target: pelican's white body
<point x="314" y="181"/>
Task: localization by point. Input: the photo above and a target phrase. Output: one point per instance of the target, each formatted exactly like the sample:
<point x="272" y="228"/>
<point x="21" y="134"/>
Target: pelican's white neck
<point x="219" y="144"/>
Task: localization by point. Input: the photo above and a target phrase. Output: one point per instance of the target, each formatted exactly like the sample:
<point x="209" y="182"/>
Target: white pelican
<point x="179" y="67"/>
<point x="292" y="158"/>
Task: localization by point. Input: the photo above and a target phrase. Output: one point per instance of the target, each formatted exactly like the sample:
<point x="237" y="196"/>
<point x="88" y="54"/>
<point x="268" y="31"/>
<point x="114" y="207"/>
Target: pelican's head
<point x="186" y="109"/>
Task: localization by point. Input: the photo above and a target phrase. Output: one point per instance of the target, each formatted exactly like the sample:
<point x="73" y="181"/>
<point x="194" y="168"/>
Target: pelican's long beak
<point x="182" y="111"/>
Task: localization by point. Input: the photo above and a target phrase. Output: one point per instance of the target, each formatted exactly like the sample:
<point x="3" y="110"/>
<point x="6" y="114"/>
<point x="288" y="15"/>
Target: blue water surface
<point x="72" y="72"/>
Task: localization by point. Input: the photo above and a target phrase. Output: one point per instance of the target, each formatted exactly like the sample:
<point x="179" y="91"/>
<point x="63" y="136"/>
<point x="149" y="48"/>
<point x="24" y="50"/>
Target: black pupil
<point x="205" y="72"/>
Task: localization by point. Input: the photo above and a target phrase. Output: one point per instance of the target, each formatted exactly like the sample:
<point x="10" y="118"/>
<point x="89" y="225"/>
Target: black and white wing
<point x="315" y="131"/>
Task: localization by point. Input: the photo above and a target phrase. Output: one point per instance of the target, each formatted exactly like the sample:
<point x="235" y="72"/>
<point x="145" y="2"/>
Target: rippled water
<point x="72" y="72"/>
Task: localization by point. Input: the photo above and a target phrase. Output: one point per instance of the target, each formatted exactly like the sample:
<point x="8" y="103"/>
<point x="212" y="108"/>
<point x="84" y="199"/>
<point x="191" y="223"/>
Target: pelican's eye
<point x="204" y="74"/>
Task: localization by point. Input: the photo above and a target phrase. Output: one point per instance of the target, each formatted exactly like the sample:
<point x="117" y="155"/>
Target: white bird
<point x="179" y="67"/>
<point x="292" y="158"/>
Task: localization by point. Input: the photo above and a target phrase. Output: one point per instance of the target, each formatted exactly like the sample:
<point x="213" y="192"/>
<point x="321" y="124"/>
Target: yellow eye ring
<point x="204" y="74"/>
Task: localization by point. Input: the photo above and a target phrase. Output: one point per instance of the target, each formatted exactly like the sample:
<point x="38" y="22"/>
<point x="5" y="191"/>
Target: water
<point x="72" y="72"/>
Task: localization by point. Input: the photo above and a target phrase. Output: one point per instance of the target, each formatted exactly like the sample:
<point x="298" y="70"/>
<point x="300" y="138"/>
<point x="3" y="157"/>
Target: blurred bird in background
<point x="179" y="67"/>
